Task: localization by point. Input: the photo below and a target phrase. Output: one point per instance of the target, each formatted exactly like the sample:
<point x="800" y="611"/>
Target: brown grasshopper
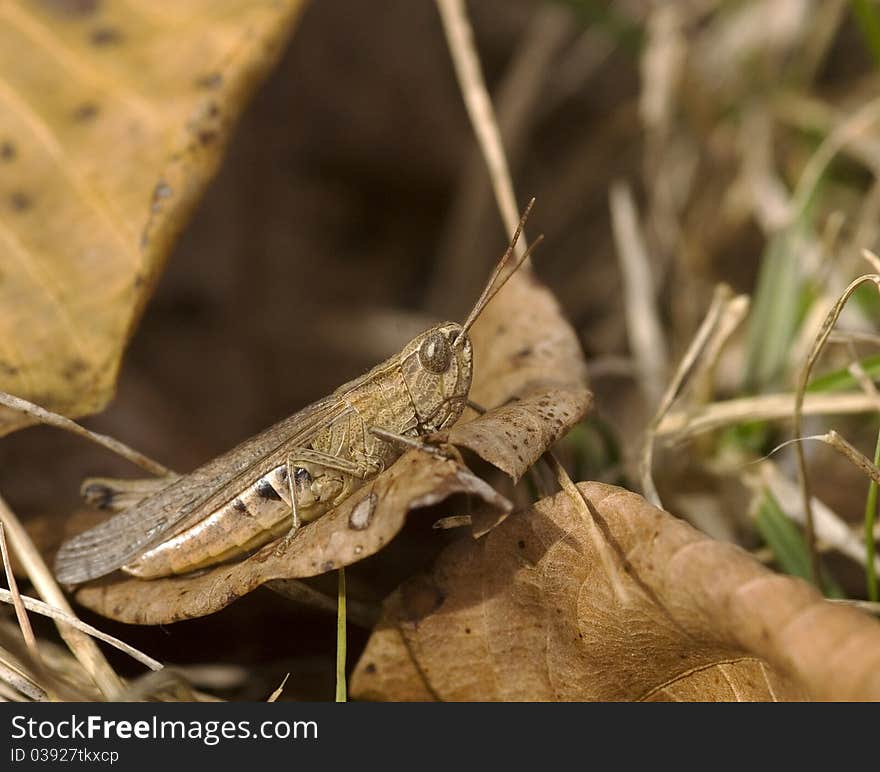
<point x="300" y="468"/>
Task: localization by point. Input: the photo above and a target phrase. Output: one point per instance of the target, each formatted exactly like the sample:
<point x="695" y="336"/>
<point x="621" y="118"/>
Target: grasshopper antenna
<point x="490" y="291"/>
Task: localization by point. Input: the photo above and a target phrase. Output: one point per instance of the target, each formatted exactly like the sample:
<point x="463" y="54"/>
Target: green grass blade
<point x="868" y="19"/>
<point x="842" y="379"/>
<point x="341" y="641"/>
<point x="776" y="312"/>
<point x="788" y="544"/>
<point x="870" y="517"/>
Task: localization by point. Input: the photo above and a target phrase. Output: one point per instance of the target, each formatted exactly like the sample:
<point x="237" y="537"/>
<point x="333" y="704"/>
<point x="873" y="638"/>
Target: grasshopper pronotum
<point x="291" y="473"/>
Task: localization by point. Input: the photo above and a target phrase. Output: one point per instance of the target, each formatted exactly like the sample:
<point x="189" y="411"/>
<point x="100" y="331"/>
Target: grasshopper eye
<point x="435" y="353"/>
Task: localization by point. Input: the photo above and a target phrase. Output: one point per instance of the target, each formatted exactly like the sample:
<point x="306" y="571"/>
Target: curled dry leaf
<point x="529" y="367"/>
<point x="356" y="529"/>
<point x="112" y="122"/>
<point x="527" y="613"/>
<point x="523" y="349"/>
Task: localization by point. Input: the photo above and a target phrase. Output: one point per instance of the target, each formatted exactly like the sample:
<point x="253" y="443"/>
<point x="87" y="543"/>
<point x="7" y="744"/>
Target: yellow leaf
<point x="113" y="119"/>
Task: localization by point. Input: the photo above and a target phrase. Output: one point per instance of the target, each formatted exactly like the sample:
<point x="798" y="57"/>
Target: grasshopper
<point x="291" y="473"/>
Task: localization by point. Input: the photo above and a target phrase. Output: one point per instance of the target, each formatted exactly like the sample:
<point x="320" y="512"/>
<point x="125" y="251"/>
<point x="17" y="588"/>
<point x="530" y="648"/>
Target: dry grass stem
<point x="643" y="326"/>
<point x="611" y="563"/>
<point x="854" y="130"/>
<point x="854" y="336"/>
<point x="24" y="623"/>
<point x="12" y="676"/>
<point x="83" y="648"/>
<point x="684" y="424"/>
<point x="818" y="345"/>
<point x="858" y="459"/>
<point x="60" y="422"/>
<point x="277" y="693"/>
<point x="870" y="607"/>
<point x="460" y="38"/>
<point x="44" y="609"/>
<point x="871" y="259"/>
<point x="520" y="97"/>
<point x="707" y="332"/>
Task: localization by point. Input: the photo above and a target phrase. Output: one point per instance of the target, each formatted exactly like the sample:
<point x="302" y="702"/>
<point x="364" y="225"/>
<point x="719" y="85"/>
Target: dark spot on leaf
<point x="74" y="368"/>
<point x="206" y="137"/>
<point x="521" y="544"/>
<point x="106" y="36"/>
<point x="467" y="630"/>
<point x="239" y="506"/>
<point x="71" y="8"/>
<point x="328" y="565"/>
<point x="210" y="80"/>
<point x="7" y="151"/>
<point x="19" y="201"/>
<point x="370" y="668"/>
<point x="7" y="369"/>
<point x="86" y="112"/>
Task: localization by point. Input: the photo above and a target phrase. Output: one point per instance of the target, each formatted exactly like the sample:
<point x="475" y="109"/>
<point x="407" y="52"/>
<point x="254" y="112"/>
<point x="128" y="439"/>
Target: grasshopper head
<point x="437" y="366"/>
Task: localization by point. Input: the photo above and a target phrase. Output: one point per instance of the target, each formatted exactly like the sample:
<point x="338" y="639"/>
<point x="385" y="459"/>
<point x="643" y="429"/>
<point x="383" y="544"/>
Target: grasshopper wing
<point x="187" y="499"/>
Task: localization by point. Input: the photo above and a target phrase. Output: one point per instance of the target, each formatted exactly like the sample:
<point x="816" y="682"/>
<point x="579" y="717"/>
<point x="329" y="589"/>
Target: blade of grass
<point x="869" y="23"/>
<point x="61" y="422"/>
<point x="804" y="378"/>
<point x="777" y="309"/>
<point x="788" y="545"/>
<point x="81" y="646"/>
<point x="832" y="531"/>
<point x="21" y="614"/>
<point x="870" y="517"/>
<point x="466" y="61"/>
<point x="842" y="379"/>
<point x="341" y="689"/>
<point x="47" y="610"/>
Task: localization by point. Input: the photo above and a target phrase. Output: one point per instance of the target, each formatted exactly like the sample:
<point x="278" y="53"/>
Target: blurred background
<point x="353" y="209"/>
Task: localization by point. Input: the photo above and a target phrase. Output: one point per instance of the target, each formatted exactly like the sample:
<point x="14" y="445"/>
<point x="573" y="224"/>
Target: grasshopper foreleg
<point x="408" y="442"/>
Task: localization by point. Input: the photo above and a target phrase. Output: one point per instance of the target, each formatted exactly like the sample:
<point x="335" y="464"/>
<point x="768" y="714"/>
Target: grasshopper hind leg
<point x="115" y="495"/>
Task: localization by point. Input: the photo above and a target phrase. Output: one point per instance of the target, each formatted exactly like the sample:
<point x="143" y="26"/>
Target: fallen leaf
<point x="528" y="613"/>
<point x="356" y="529"/>
<point x="113" y="120"/>
<point x="528" y="367"/>
<point x="523" y="343"/>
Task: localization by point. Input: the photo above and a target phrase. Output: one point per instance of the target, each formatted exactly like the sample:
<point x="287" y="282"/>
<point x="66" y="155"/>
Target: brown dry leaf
<point x="530" y="368"/>
<point x="526" y="613"/>
<point x="113" y="119"/>
<point x="523" y="347"/>
<point x="356" y="529"/>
